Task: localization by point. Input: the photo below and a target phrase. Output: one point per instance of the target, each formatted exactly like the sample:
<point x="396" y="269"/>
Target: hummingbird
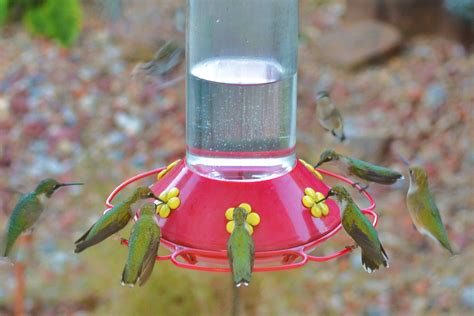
<point x="240" y="249"/>
<point x="360" y="229"/>
<point x="423" y="210"/>
<point x="359" y="168"/>
<point x="165" y="59"/>
<point x="142" y="247"/>
<point x="329" y="116"/>
<point x="28" y="210"/>
<point x="113" y="220"/>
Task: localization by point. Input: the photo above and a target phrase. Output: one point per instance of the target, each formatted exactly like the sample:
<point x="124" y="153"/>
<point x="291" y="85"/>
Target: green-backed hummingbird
<point x="28" y="210"/>
<point x="240" y="249"/>
<point x="423" y="209"/>
<point x="360" y="229"/>
<point x="359" y="168"/>
<point x="142" y="247"/>
<point x="113" y="220"/>
<point x="329" y="116"/>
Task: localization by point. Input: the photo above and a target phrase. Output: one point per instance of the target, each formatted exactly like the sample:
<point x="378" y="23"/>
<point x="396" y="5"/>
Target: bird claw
<point x="351" y="247"/>
<point x="358" y="186"/>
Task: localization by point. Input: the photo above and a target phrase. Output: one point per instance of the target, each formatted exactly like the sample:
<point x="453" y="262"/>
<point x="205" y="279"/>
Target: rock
<point x="130" y="124"/>
<point x="435" y="95"/>
<point x="4" y="108"/>
<point x="414" y="17"/>
<point x="357" y="43"/>
<point x="467" y="296"/>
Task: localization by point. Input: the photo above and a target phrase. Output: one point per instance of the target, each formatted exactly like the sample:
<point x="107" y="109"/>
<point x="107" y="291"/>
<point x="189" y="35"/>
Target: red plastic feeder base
<point x="195" y="232"/>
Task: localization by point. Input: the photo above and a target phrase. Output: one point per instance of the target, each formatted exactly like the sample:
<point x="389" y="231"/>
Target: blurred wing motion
<point x="329" y="116"/>
<point x="166" y="59"/>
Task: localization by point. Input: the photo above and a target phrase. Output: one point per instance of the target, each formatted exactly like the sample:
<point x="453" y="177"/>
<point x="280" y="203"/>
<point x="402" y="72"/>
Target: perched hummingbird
<point x="423" y="209"/>
<point x="240" y="249"/>
<point x="360" y="229"/>
<point x="168" y="56"/>
<point x="329" y="116"/>
<point x="142" y="247"/>
<point x="113" y="220"/>
<point x="359" y="168"/>
<point x="28" y="210"/>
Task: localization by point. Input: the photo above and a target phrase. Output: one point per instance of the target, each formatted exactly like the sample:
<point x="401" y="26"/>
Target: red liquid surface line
<point x="296" y="252"/>
<point x="238" y="154"/>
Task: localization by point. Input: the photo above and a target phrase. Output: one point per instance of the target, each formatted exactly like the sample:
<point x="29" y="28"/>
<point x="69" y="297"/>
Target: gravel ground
<point x="78" y="115"/>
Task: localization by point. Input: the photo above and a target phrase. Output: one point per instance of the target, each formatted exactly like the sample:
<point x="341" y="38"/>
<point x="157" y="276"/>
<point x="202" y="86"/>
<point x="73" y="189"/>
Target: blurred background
<point x="400" y="71"/>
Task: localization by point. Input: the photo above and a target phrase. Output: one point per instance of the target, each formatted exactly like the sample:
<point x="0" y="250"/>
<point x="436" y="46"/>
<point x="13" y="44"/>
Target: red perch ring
<point x="195" y="231"/>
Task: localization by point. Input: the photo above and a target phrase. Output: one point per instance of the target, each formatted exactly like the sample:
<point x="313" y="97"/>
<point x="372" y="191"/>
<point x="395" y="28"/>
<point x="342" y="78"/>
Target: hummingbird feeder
<point x="241" y="133"/>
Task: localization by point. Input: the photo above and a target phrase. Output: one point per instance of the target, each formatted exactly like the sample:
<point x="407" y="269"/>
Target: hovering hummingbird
<point x="167" y="57"/>
<point x="329" y="116"/>
<point x="28" y="210"/>
<point x="142" y="248"/>
<point x="113" y="220"/>
<point x="359" y="168"/>
<point x="360" y="229"/>
<point x="423" y="210"/>
<point x="240" y="249"/>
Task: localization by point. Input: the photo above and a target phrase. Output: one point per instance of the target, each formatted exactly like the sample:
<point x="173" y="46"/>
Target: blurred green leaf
<point x="3" y="11"/>
<point x="56" y="19"/>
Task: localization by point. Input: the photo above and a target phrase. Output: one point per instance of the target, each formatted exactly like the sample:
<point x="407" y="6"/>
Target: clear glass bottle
<point x="241" y="87"/>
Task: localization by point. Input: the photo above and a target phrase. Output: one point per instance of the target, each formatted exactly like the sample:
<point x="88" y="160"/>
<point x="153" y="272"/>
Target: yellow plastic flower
<point x="163" y="172"/>
<point x="311" y="168"/>
<point x="310" y="200"/>
<point x="253" y="219"/>
<point x="172" y="202"/>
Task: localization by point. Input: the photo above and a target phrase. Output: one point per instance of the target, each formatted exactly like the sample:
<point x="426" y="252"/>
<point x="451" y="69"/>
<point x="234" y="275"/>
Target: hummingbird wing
<point x="25" y="214"/>
<point x="103" y="234"/>
<point x="240" y="250"/>
<point x="108" y="224"/>
<point x="149" y="263"/>
<point x="427" y="217"/>
<point x="372" y="173"/>
<point x="142" y="249"/>
<point x="373" y="253"/>
<point x="365" y="235"/>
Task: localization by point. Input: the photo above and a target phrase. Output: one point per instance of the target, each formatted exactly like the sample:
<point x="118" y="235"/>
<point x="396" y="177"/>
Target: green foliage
<point x="56" y="19"/>
<point x="3" y="11"/>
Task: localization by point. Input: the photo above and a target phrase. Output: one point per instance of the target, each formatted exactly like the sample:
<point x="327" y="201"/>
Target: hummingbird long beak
<point x="323" y="199"/>
<point x="317" y="165"/>
<point x="330" y="193"/>
<point x="67" y="184"/>
<point x="158" y="199"/>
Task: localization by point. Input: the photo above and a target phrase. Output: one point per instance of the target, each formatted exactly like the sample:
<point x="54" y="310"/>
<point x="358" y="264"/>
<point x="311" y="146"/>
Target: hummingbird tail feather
<point x="126" y="279"/>
<point x="242" y="282"/>
<point x="371" y="264"/>
<point x="9" y="240"/>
